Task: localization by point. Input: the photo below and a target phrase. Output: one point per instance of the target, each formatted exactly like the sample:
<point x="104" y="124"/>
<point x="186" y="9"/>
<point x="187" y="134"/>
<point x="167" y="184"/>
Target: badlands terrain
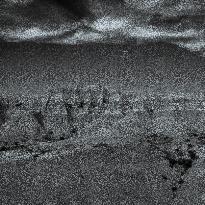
<point x="101" y="125"/>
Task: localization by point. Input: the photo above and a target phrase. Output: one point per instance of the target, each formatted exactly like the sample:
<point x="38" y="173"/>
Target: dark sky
<point x="30" y="67"/>
<point x="77" y="21"/>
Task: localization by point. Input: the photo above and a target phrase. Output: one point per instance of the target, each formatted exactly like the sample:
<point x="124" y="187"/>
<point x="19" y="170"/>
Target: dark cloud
<point x="78" y="21"/>
<point x="78" y="8"/>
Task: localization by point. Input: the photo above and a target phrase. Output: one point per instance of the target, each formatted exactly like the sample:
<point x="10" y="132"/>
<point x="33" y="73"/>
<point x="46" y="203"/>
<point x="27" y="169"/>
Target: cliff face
<point x="129" y="149"/>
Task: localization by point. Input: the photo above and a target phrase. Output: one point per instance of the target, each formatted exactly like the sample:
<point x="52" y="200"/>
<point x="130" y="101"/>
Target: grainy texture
<point x="102" y="102"/>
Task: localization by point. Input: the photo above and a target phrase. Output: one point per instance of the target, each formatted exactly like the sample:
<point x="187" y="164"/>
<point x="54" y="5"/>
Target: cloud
<point x="158" y="33"/>
<point x="143" y="4"/>
<point x="108" y="24"/>
<point x="35" y="33"/>
<point x="100" y="29"/>
<point x="48" y="21"/>
<point x="194" y="45"/>
<point x="81" y="37"/>
<point x="127" y="28"/>
<point x="106" y="29"/>
<point x="30" y="33"/>
<point x="169" y="7"/>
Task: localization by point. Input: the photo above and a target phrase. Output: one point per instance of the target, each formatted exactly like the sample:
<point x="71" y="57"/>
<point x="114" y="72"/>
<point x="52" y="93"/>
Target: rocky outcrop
<point x="88" y="112"/>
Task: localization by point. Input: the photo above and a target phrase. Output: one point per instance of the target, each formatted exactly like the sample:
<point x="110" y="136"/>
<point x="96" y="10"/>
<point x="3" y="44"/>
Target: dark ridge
<point x="159" y="48"/>
<point x="163" y="49"/>
<point x="15" y="146"/>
